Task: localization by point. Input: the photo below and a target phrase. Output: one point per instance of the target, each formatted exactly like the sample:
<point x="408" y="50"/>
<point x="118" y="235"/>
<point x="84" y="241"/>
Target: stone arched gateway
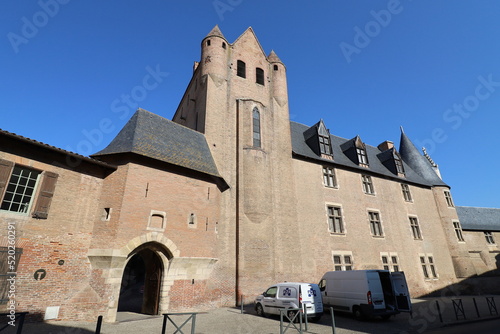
<point x="162" y="264"/>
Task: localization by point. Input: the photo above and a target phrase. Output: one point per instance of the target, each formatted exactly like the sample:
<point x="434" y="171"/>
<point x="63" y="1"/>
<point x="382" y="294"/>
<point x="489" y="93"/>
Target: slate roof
<point x="420" y="164"/>
<point x="155" y="137"/>
<point x="300" y="148"/>
<point x="479" y="219"/>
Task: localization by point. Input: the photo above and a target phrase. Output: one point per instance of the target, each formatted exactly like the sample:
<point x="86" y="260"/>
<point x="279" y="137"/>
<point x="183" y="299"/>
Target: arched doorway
<point x="140" y="289"/>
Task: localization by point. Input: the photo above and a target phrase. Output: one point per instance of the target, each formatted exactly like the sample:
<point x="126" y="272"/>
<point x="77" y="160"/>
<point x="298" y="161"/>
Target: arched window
<point x="259" y="76"/>
<point x="241" y="69"/>
<point x="256" y="127"/>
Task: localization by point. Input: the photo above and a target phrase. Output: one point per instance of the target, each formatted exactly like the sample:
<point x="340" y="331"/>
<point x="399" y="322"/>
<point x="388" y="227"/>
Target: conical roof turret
<point x="273" y="57"/>
<point x="411" y="156"/>
<point x="215" y="32"/>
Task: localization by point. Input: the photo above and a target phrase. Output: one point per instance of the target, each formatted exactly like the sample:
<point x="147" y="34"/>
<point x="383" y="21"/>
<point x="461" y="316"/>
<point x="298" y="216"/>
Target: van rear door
<point x="401" y="291"/>
<point x="311" y="298"/>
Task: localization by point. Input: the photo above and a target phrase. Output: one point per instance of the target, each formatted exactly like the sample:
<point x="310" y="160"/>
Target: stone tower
<point x="238" y="98"/>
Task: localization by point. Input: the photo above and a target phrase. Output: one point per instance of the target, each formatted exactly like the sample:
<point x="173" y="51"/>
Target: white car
<point x="291" y="295"/>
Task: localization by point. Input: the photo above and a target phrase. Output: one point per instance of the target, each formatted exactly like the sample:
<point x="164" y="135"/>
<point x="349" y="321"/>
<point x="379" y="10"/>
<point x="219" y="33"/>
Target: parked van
<point x="366" y="293"/>
<point x="291" y="295"/>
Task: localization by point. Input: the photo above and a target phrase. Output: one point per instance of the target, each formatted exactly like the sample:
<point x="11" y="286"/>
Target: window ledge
<point x="337" y="234"/>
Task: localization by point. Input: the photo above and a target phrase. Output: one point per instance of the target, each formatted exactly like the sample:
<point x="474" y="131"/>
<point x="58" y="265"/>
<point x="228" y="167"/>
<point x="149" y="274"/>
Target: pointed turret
<point x="411" y="156"/>
<point x="278" y="77"/>
<point x="273" y="57"/>
<point x="215" y="32"/>
<point x="214" y="54"/>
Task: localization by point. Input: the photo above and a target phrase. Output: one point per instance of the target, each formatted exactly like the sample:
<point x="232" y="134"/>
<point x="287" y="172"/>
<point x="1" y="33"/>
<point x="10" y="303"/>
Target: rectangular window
<point x="18" y="186"/>
<point x="415" y="228"/>
<point x="449" y="200"/>
<point x="362" y="158"/>
<point x="489" y="238"/>
<point x="428" y="267"/>
<point x="335" y="223"/>
<point x="399" y="164"/>
<point x="241" y="69"/>
<point x="406" y="192"/>
<point x="259" y="76"/>
<point x="375" y="224"/>
<point x="20" y="189"/>
<point x="458" y="231"/>
<point x="367" y="184"/>
<point x="342" y="261"/>
<point x="329" y="179"/>
<point x="324" y="145"/>
<point x="390" y="261"/>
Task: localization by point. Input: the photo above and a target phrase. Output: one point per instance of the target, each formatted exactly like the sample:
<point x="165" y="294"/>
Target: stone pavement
<point x="425" y="317"/>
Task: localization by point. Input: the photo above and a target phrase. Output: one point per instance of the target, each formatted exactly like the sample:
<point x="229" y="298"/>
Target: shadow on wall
<point x="29" y="326"/>
<point x="487" y="283"/>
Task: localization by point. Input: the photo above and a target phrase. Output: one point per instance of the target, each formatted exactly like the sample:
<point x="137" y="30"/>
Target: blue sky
<point x="366" y="67"/>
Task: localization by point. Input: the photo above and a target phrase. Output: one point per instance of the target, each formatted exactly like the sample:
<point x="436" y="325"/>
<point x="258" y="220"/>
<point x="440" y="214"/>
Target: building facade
<point x="223" y="200"/>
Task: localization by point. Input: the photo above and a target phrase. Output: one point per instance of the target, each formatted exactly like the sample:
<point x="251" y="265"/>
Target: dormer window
<point x="241" y="69"/>
<point x="399" y="163"/>
<point x="361" y="154"/>
<point x="324" y="145"/>
<point x="362" y="158"/>
<point x="319" y="141"/>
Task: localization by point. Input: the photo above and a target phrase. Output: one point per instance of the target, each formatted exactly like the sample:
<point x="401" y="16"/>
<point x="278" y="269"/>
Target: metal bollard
<point x="333" y="320"/>
<point x="98" y="326"/>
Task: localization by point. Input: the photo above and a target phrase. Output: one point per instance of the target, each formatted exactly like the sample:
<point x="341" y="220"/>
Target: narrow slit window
<point x="256" y="127"/>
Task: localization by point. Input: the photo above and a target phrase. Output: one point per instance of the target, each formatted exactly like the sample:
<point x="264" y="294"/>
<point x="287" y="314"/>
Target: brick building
<point x="224" y="199"/>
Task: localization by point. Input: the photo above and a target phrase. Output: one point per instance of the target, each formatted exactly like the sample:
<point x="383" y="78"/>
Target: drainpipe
<point x="237" y="195"/>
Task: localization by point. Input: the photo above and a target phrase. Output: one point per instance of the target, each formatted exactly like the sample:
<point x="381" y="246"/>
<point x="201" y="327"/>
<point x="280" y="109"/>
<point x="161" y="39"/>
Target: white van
<point x="366" y="293"/>
<point x="291" y="295"/>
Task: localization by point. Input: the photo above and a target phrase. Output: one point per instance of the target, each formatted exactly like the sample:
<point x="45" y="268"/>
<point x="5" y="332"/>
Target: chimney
<point x="387" y="145"/>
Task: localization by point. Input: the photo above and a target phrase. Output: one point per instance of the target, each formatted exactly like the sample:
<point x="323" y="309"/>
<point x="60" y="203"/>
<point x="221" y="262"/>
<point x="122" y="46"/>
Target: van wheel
<point x="260" y="310"/>
<point x="290" y="314"/>
<point x="358" y="315"/>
